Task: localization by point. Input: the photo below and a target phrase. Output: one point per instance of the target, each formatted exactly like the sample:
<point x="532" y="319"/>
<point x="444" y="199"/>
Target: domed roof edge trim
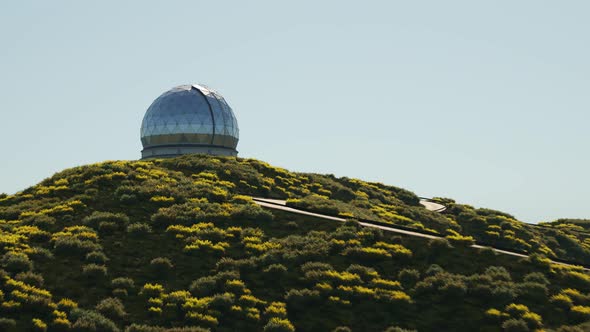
<point x="197" y="87"/>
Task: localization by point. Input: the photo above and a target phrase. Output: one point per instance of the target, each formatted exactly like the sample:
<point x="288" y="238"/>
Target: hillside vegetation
<point x="179" y="245"/>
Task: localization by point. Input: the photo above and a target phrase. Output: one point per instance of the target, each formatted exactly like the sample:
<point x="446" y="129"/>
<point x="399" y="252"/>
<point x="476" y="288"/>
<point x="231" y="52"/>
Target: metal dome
<point x="189" y="119"/>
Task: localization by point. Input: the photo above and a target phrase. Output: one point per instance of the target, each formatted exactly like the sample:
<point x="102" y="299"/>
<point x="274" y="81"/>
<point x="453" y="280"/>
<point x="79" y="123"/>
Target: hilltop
<point x="179" y="245"/>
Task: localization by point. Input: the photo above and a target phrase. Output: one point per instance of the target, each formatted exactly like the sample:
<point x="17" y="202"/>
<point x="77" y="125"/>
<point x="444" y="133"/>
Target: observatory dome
<point x="189" y="119"/>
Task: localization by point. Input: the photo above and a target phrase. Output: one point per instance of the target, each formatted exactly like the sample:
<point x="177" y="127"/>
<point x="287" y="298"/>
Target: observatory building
<point x="189" y="119"/>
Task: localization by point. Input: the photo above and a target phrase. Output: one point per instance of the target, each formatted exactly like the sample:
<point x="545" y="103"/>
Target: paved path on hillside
<point x="427" y="203"/>
<point x="432" y="206"/>
<point x="282" y="205"/>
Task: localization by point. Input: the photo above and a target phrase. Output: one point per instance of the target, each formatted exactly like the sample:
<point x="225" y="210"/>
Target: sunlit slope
<point x="151" y="246"/>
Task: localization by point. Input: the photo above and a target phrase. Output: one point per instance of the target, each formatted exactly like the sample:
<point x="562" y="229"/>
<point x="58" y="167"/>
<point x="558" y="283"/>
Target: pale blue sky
<point x="484" y="102"/>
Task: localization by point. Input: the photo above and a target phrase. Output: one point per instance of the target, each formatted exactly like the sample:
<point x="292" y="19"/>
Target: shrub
<point x="434" y="269"/>
<point x="386" y="284"/>
<point x="540" y="261"/>
<point x="235" y="286"/>
<point x="576" y="295"/>
<point x="533" y="291"/>
<point x="120" y="293"/>
<point x="316" y="203"/>
<point x="409" y="277"/>
<point x="61" y="324"/>
<point x="88" y="320"/>
<point x="578" y="280"/>
<point x="366" y="273"/>
<point x="397" y="329"/>
<point x="562" y="301"/>
<point x="198" y="244"/>
<point x="502" y="292"/>
<point x="460" y="240"/>
<point x="439" y="244"/>
<point x="41" y="220"/>
<point x="68" y="245"/>
<point x="252" y="212"/>
<point x="124" y="283"/>
<point x="222" y="301"/>
<point x="498" y="273"/>
<point x="204" y="286"/>
<point x="66" y="305"/>
<point x="155" y="301"/>
<point x="7" y="324"/>
<point x="445" y="284"/>
<point x="515" y="325"/>
<point x="107" y="227"/>
<point x="97" y="217"/>
<point x="342" y="277"/>
<point x="40" y="253"/>
<point x="241" y="199"/>
<point x="147" y="328"/>
<point x="39" y="325"/>
<point x="161" y="265"/>
<point x="152" y="290"/>
<point x="91" y="192"/>
<point x="16" y="262"/>
<point x="39" y="236"/>
<point x="230" y="264"/>
<point x="516" y="310"/>
<point x="139" y="229"/>
<point x="537" y="277"/>
<point x="494" y="314"/>
<point x="94" y="271"/>
<point x="396" y="250"/>
<point x="250" y="300"/>
<point x="533" y="320"/>
<point x="228" y="275"/>
<point x="128" y="199"/>
<point x="144" y="328"/>
<point x="154" y="311"/>
<point x="316" y="266"/>
<point x="112" y="308"/>
<point x="96" y="257"/>
<point x="580" y="328"/>
<point x="276" y="324"/>
<point x="580" y="312"/>
<point x="172" y="298"/>
<point x="178" y="213"/>
<point x="300" y="298"/>
<point x="342" y="329"/>
<point x="276" y="309"/>
<point x="162" y="199"/>
<point x="276" y="269"/>
<point x="291" y="225"/>
<point x="30" y="278"/>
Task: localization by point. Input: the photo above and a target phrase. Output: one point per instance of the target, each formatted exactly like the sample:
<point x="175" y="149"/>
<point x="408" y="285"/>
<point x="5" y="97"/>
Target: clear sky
<point x="486" y="102"/>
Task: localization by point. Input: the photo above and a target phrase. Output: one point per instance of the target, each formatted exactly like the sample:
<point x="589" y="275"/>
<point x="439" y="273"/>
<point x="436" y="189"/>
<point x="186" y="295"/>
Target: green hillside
<point x="179" y="245"/>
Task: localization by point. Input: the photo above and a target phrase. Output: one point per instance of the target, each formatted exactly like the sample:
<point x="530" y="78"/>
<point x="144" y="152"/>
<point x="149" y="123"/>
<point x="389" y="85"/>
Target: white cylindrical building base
<point x="175" y="151"/>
